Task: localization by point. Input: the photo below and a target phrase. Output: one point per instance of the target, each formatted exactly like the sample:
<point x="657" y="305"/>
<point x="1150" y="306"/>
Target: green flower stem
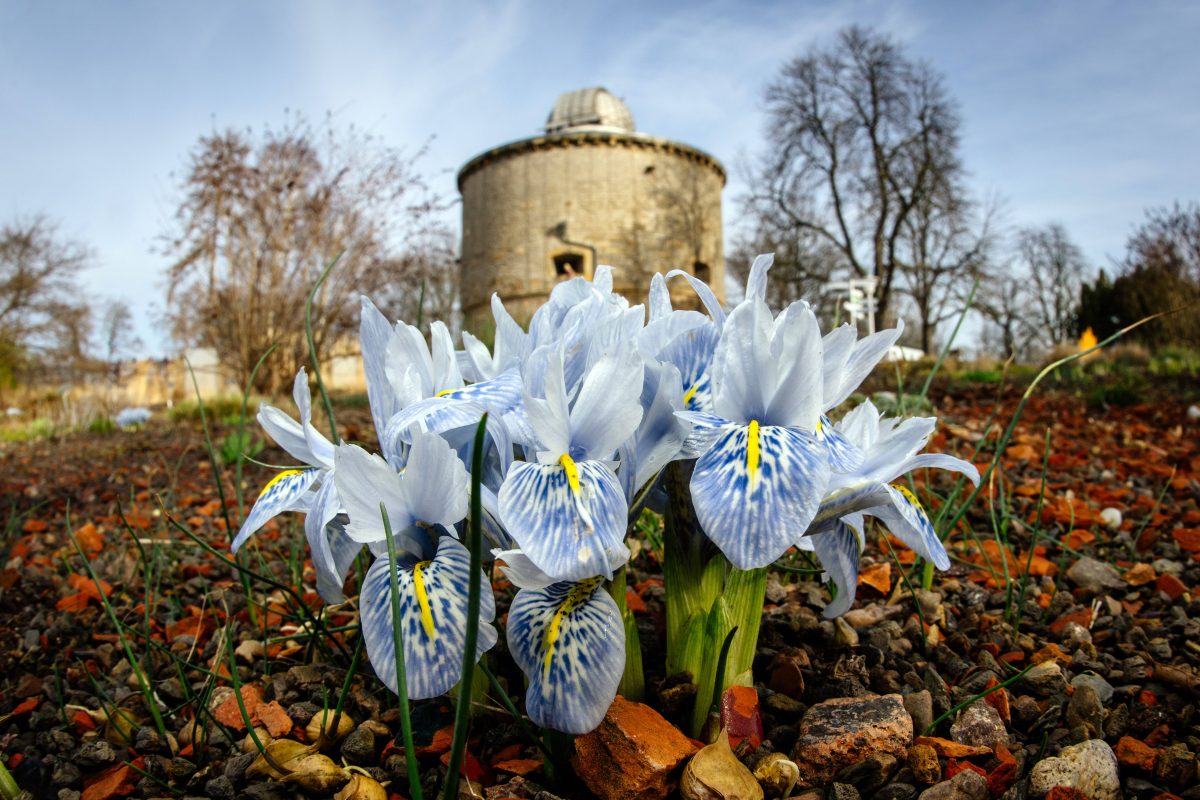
<point x="410" y="751"/>
<point x="462" y="716"/>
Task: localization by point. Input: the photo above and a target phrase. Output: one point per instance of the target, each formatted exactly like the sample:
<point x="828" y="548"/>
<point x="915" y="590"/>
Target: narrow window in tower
<point x="700" y="270"/>
<point x="568" y="265"/>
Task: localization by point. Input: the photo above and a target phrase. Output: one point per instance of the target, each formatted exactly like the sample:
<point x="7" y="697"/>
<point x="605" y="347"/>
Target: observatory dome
<point x="594" y="109"/>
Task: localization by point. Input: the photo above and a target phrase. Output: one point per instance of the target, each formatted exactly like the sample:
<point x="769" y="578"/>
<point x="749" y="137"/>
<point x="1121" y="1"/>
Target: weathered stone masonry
<point x="590" y="191"/>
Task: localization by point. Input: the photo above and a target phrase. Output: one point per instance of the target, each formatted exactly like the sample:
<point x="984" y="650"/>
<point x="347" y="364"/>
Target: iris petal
<point x="569" y="534"/>
<point x="433" y="618"/>
<point x="342" y="550"/>
<point x="908" y="521"/>
<point x="839" y="553"/>
<point x="844" y="455"/>
<point x="569" y="640"/>
<point x="754" y="499"/>
<point x="285" y="492"/>
<point x="323" y="509"/>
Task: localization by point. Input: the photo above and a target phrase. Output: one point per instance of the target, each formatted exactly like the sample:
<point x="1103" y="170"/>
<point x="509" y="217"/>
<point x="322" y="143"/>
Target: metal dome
<point x="589" y="109"/>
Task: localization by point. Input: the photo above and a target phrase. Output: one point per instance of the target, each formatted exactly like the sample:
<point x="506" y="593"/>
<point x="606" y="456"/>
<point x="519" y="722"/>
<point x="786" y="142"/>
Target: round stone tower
<point x="591" y="190"/>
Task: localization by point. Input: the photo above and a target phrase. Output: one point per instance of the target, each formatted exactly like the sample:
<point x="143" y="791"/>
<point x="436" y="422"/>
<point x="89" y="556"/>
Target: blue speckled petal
<point x="343" y="550"/>
<point x="754" y="503"/>
<point x="839" y="552"/>
<point x="285" y="492"/>
<point x="844" y="455"/>
<point x="434" y="627"/>
<point x="569" y="640"/>
<point x="909" y="522"/>
<point x="569" y="535"/>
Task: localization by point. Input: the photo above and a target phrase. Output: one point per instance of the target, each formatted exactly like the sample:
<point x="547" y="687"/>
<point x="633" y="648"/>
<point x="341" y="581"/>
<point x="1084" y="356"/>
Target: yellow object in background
<point x="1087" y="340"/>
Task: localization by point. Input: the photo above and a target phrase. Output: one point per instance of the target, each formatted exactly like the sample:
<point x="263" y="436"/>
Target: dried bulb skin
<point x="321" y="729"/>
<point x="715" y="773"/>
<point x="284" y="753"/>
<point x="777" y="774"/>
<point x="362" y="787"/>
<point x="316" y="773"/>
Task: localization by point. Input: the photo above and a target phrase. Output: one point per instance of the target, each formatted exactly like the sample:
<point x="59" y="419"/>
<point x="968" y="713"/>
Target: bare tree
<point x="946" y="245"/>
<point x="260" y="217"/>
<point x="1169" y="240"/>
<point x="1056" y="271"/>
<point x="116" y="331"/>
<point x="1003" y="300"/>
<point x="44" y="322"/>
<point x="859" y="135"/>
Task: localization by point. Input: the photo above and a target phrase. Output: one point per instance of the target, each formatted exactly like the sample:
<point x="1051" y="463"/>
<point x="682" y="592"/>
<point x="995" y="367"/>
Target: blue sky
<point x="1084" y="113"/>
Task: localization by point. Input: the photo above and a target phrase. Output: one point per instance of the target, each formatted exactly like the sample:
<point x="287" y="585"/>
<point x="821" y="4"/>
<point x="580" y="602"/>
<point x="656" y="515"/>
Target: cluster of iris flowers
<point x="584" y="412"/>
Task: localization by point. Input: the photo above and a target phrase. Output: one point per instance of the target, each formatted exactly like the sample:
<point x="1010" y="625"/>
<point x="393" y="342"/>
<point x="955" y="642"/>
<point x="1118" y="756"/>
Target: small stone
<point x="923" y="761"/>
<point x="938" y="689"/>
<point x="843" y="634"/>
<point x="1167" y="566"/>
<point x="1136" y="754"/>
<point x="147" y="742"/>
<point x="64" y="773"/>
<point x="843" y="791"/>
<point x="633" y="754"/>
<point x="1176" y="766"/>
<point x="870" y="774"/>
<point x="871" y="615"/>
<point x="305" y="675"/>
<point x="98" y="753"/>
<point x="783" y="706"/>
<point x="897" y="791"/>
<point x="1111" y="518"/>
<point x="1102" y="688"/>
<point x="359" y="746"/>
<point x="979" y="724"/>
<point x="219" y="788"/>
<point x="1085" y="711"/>
<point x="1094" y="576"/>
<point x="966" y="785"/>
<point x="919" y="706"/>
<point x="1074" y="636"/>
<point x="1045" y="678"/>
<point x="844" y="731"/>
<point x="249" y="650"/>
<point x="1193" y="413"/>
<point x="1089" y="767"/>
<point x="786" y="675"/>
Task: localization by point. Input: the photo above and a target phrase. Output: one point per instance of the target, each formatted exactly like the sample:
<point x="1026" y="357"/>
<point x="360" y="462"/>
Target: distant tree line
<point x="49" y="330"/>
<point x="861" y="176"/>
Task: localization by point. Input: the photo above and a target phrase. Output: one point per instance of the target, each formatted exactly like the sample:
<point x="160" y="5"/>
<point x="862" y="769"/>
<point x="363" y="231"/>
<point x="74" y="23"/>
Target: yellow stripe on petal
<point x="444" y="392"/>
<point x="908" y="495"/>
<point x="287" y="473"/>
<point x="423" y="600"/>
<point x="752" y="454"/>
<point x="690" y="393"/>
<point x="578" y="595"/>
<point x="568" y="464"/>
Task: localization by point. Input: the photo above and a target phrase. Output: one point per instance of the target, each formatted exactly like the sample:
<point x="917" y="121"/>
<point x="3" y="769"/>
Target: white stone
<point x="1194" y="413"/>
<point x="1111" y="517"/>
<point x="1089" y="767"/>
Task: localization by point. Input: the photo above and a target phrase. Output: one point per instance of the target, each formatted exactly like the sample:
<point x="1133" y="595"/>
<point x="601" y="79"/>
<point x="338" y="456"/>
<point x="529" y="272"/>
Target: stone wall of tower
<point x="644" y="204"/>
